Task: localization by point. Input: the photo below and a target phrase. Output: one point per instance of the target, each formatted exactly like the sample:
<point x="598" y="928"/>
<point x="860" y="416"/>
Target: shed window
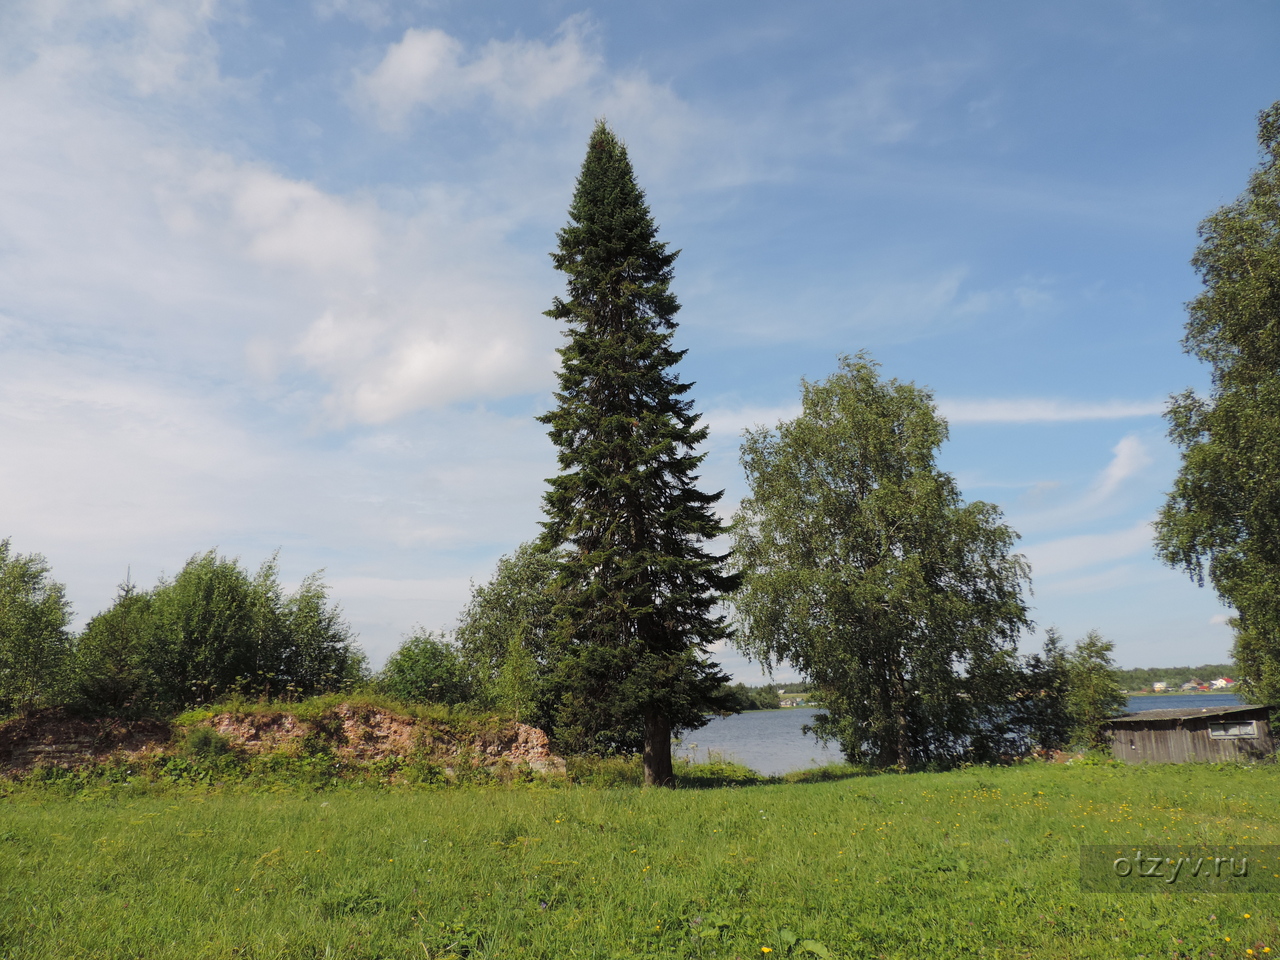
<point x="1234" y="730"/>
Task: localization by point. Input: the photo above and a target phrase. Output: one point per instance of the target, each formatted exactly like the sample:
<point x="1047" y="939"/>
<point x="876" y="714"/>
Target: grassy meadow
<point x="978" y="862"/>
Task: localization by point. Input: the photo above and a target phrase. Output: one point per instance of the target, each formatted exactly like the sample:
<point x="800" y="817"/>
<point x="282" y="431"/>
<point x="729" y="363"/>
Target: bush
<point x="205" y="743"/>
<point x="426" y="669"/>
<point x="34" y="641"/>
<point x="212" y="632"/>
<point x="1093" y="693"/>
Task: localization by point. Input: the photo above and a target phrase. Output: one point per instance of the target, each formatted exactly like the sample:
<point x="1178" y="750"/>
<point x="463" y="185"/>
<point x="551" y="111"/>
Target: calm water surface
<point x="771" y="742"/>
<point x="767" y="741"/>
<point x="1181" y="701"/>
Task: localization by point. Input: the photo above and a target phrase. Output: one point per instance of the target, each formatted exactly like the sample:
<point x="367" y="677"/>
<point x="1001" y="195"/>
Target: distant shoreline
<point x="1182" y="693"/>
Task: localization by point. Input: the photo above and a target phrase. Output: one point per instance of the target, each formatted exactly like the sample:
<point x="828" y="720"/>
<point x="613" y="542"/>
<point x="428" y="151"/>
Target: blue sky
<point x="272" y="275"/>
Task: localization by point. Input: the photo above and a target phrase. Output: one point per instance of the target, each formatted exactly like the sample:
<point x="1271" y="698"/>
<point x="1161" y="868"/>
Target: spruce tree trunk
<point x="657" y="751"/>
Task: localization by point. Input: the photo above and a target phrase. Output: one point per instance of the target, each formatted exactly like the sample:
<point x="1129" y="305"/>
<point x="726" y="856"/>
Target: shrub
<point x="426" y="669"/>
<point x="1093" y="693"/>
<point x="205" y="743"/>
<point x="212" y="632"/>
<point x="34" y="641"/>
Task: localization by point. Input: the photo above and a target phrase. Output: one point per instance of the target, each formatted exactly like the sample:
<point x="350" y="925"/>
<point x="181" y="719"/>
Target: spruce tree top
<point x="610" y="249"/>
<point x="625" y="434"/>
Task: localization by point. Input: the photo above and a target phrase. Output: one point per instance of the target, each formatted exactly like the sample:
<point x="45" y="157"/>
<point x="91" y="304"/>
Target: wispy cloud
<point x="727" y="423"/>
<point x="536" y="90"/>
<point x="1129" y="457"/>
<point x="1040" y="410"/>
<point x="1088" y="550"/>
<point x="1107" y="493"/>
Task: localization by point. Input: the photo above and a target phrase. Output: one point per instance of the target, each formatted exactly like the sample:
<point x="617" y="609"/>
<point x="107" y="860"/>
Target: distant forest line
<point x="1140" y="677"/>
<point x="1137" y="678"/>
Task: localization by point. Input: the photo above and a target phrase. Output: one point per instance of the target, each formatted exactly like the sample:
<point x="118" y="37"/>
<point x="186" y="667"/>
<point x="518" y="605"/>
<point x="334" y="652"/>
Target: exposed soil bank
<point x="356" y="734"/>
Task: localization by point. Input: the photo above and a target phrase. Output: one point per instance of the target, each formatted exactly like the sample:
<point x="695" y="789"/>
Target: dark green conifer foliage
<point x="637" y="590"/>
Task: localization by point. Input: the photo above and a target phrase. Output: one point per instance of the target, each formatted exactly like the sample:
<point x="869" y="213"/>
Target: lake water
<point x="1181" y="701"/>
<point x="767" y="741"/>
<point x="771" y="742"/>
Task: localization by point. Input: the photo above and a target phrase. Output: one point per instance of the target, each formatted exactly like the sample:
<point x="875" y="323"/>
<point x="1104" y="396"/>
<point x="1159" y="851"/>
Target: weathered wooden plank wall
<point x="1180" y="741"/>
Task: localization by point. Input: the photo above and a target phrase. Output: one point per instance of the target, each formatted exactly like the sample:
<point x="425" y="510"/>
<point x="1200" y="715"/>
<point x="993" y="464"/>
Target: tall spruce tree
<point x="1223" y="512"/>
<point x="637" y="590"/>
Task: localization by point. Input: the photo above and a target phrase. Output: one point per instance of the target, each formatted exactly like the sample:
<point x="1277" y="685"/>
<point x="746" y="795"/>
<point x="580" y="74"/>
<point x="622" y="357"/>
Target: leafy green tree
<point x="765" y="698"/>
<point x="34" y="639"/>
<point x="316" y="651"/>
<point x="211" y="631"/>
<point x="637" y="590"/>
<point x="864" y="568"/>
<point x="505" y="634"/>
<point x="1042" y="708"/>
<point x="426" y="669"/>
<point x="742" y="698"/>
<point x="112" y="669"/>
<point x="206" y="627"/>
<point x="1137" y="678"/>
<point x="1093" y="692"/>
<point x="1223" y="512"/>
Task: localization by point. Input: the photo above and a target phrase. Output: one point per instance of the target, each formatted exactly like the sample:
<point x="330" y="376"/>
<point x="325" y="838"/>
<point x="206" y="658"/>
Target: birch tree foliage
<point x="35" y="641"/>
<point x="1222" y="517"/>
<point x="865" y="569"/>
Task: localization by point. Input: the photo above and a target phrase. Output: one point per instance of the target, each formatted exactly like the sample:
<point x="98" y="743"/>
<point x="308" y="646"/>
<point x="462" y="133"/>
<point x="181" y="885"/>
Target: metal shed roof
<point x="1186" y="713"/>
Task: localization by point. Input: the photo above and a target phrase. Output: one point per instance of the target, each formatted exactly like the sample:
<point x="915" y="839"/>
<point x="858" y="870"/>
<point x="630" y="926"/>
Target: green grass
<point x="980" y="862"/>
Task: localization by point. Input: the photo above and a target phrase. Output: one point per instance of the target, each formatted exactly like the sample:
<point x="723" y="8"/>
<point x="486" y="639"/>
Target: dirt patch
<point x="363" y="734"/>
<point x="52" y="738"/>
<point x="260" y="732"/>
<point x="355" y="733"/>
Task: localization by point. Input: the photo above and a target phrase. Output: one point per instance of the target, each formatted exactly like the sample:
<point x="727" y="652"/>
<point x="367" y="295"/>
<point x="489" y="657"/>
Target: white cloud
<point x="429" y="68"/>
<point x="1088" y="550"/>
<point x="421" y="69"/>
<point x="1107" y="493"/>
<point x="293" y="223"/>
<point x="1038" y="410"/>
<point x="115" y="226"/>
<point x="726" y="424"/>
<point x="1129" y="457"/>
<point x="154" y="46"/>
<point x="540" y="90"/>
<point x="382" y="369"/>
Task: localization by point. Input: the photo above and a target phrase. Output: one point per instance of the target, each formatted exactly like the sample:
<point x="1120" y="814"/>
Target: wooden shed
<point x="1204" y="733"/>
